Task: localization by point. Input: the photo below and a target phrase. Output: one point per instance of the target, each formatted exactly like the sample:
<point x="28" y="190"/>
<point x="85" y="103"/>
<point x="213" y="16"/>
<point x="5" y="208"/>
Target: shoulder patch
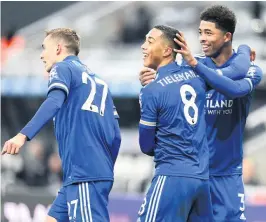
<point x="53" y="74"/>
<point x="251" y="72"/>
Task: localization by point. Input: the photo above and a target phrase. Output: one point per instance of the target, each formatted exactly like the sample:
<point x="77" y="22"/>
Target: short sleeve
<point x="148" y="107"/>
<point x="60" y="78"/>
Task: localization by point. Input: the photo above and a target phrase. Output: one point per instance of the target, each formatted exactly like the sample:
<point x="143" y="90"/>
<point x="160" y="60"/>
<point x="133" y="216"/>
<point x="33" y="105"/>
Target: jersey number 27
<point x="88" y="105"/>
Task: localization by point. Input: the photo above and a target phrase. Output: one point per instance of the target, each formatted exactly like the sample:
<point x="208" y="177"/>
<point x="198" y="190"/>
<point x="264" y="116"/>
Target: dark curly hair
<point x="222" y="16"/>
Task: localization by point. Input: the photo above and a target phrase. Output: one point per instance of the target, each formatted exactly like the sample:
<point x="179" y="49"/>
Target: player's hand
<point x="185" y="51"/>
<point x="13" y="145"/>
<point x="252" y="55"/>
<point x="146" y="76"/>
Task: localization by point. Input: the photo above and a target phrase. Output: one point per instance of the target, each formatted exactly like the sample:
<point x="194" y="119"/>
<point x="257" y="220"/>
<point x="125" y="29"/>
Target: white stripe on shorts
<point x="88" y="199"/>
<point x="158" y="200"/>
<point x="81" y="204"/>
<point x="153" y="196"/>
<point x="84" y="201"/>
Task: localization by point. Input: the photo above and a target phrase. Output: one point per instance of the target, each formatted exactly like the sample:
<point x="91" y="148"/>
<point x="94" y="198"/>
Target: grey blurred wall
<point x="21" y="13"/>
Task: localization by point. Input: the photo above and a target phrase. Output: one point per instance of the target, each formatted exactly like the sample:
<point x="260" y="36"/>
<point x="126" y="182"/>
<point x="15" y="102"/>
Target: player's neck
<point x="63" y="56"/>
<point x="165" y="62"/>
<point x="226" y="53"/>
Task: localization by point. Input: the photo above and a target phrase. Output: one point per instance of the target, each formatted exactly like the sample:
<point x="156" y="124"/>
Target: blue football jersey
<point x="174" y="104"/>
<point x="226" y="119"/>
<point x="84" y="126"/>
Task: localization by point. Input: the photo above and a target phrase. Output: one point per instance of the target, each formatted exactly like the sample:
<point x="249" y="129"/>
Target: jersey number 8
<point x="192" y="120"/>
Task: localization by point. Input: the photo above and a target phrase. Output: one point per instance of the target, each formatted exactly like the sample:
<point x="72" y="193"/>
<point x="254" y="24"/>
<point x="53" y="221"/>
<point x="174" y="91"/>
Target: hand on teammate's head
<point x="184" y="49"/>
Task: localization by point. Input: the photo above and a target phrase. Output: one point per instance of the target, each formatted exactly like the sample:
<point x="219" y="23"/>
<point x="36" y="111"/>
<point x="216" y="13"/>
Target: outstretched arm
<point x="47" y="110"/>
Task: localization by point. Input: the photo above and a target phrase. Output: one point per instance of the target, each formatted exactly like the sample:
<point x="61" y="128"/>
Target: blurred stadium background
<point x="111" y="33"/>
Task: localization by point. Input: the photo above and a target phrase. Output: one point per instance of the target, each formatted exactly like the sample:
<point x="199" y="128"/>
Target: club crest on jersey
<point x="208" y="95"/>
<point x="53" y="74"/>
<point x="251" y="72"/>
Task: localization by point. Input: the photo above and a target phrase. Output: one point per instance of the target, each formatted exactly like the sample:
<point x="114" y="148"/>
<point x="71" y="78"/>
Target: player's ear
<point x="167" y="52"/>
<point x="228" y="37"/>
<point x="59" y="49"/>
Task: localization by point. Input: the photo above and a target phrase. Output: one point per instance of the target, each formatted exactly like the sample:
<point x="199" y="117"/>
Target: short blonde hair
<point x="70" y="37"/>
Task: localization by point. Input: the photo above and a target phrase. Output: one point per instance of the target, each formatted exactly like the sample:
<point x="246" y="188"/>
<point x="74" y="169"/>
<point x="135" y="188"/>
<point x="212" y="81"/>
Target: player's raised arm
<point x="237" y="69"/>
<point x="234" y="88"/>
<point x="239" y="66"/>
<point x="147" y="123"/>
<point x="219" y="82"/>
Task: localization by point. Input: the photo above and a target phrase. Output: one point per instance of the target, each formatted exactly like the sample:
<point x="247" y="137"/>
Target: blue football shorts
<point x="228" y="198"/>
<point x="176" y="199"/>
<point x="82" y="202"/>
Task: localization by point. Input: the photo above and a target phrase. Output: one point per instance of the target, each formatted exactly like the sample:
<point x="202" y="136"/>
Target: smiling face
<point x="153" y="49"/>
<point x="49" y="53"/>
<point x="212" y="38"/>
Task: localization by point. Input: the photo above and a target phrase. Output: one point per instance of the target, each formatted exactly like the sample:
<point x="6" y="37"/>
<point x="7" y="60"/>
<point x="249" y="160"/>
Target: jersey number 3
<point x="88" y="103"/>
<point x="192" y="120"/>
